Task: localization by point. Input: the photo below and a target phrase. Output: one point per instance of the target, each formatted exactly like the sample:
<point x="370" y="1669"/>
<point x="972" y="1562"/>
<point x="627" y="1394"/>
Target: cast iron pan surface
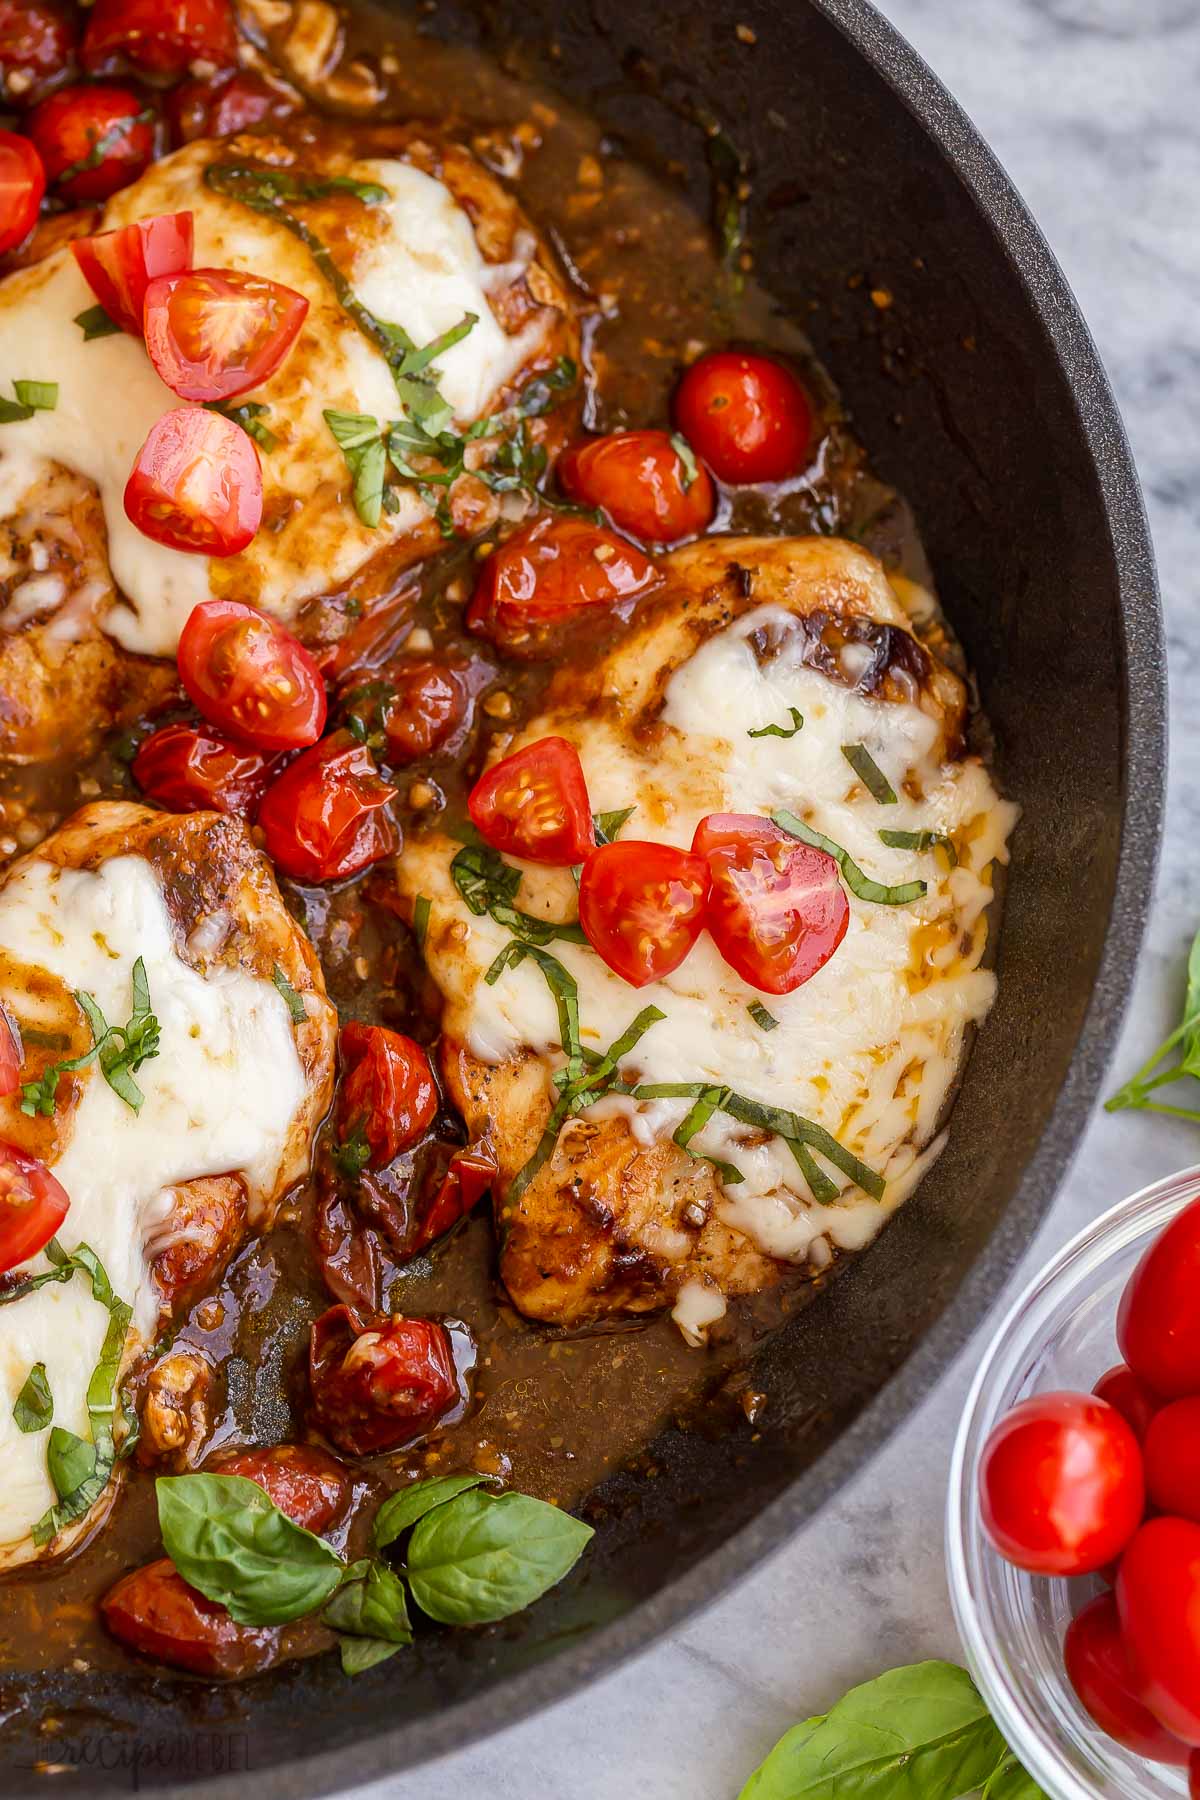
<point x="980" y="397"/>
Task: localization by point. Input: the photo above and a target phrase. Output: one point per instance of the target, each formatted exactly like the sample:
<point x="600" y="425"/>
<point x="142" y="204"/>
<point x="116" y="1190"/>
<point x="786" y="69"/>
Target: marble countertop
<point x="1090" y="105"/>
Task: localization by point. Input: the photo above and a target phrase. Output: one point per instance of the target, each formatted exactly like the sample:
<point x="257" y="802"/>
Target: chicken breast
<point x="414" y="240"/>
<point x="694" y="711"/>
<point x="163" y="1181"/>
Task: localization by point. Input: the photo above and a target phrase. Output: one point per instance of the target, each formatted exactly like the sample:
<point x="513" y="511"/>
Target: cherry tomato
<point x="777" y="910"/>
<point x="642" y="482"/>
<point x="1171" y="1450"/>
<point x="641" y="906"/>
<point x="1060" y="1484"/>
<point x="37" y="42"/>
<point x="1099" y="1671"/>
<point x="186" y="769"/>
<point x="33" y="1205"/>
<point x="1194" y="1775"/>
<point x="120" y="265"/>
<point x="747" y="416"/>
<point x="215" y="333"/>
<point x="324" y="819"/>
<point x="247" y="674"/>
<point x="308" y="1484"/>
<point x="378" y="1386"/>
<point x="388" y="1092"/>
<point x="197" y="484"/>
<point x="11" y="1055"/>
<point x="163" y="36"/>
<point x="550" y="571"/>
<point x="1158" y="1325"/>
<point x="534" y="804"/>
<point x="154" y="1611"/>
<point x="229" y="104"/>
<point x="1158" y="1596"/>
<point x="429" y="703"/>
<point x="471" y="1174"/>
<point x="1131" y="1397"/>
<point x="92" y="140"/>
<point x="22" y="184"/>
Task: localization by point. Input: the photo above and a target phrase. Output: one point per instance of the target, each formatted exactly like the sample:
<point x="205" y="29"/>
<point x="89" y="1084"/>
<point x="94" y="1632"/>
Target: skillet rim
<point x="508" y="1702"/>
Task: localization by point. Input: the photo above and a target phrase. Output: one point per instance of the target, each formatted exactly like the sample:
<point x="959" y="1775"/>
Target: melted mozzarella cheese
<point x="869" y="1047"/>
<point x="418" y="265"/>
<point x="219" y="1097"/>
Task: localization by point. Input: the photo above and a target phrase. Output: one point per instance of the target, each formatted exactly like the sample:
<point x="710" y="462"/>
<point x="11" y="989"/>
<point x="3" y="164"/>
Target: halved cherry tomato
<point x="154" y="1611"/>
<point x="164" y="36"/>
<point x="378" y="1385"/>
<point x="92" y="140"/>
<point x="120" y="265"/>
<point x="1060" y="1484"/>
<point x="247" y="674"/>
<point x="1171" y="1450"/>
<point x="534" y="804"/>
<point x="324" y="819"/>
<point x="777" y="910"/>
<point x="642" y="482"/>
<point x="1131" y="1397"/>
<point x="231" y="103"/>
<point x="388" y="1092"/>
<point x="641" y="906"/>
<point x="1158" y="1325"/>
<point x="215" y="333"/>
<point x="471" y="1174"/>
<point x="550" y="571"/>
<point x="22" y="184"/>
<point x="429" y="703"/>
<point x="186" y="769"/>
<point x="747" y="416"/>
<point x="1158" y="1596"/>
<point x="37" y="42"/>
<point x="197" y="484"/>
<point x="1098" y="1669"/>
<point x="11" y="1055"/>
<point x="33" y="1204"/>
<point x="306" y="1483"/>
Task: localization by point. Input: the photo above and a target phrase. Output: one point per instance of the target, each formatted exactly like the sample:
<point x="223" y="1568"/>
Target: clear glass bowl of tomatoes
<point x="1019" y="1628"/>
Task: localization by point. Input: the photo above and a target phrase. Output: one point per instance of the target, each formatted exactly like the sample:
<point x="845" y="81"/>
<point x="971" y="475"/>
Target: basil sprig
<point x="858" y="883"/>
<point x="921" y="1732"/>
<point x="472" y="1558"/>
<point x="1137" y="1091"/>
<point x="31" y="397"/>
<point x="120" y="1049"/>
<point x="488" y="884"/>
<point x="33" y="1408"/>
<point x="870" y="774"/>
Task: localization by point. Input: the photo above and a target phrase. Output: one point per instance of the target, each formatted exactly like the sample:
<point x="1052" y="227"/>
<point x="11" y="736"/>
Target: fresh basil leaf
<point x="33" y="1408"/>
<point x="917" y="1733"/>
<point x="40" y="396"/>
<point x="401" y="1510"/>
<point x="294" y="1003"/>
<point x="781" y="731"/>
<point x="357" y="435"/>
<point x="1009" y="1781"/>
<point x="70" y="1459"/>
<point x="94" y="322"/>
<point x="762" y="1018"/>
<point x="852" y="875"/>
<point x="608" y="824"/>
<point x="370" y="1603"/>
<point x="228" y="1540"/>
<point x="870" y="774"/>
<point x="483" y="1557"/>
<point x="362" y="1653"/>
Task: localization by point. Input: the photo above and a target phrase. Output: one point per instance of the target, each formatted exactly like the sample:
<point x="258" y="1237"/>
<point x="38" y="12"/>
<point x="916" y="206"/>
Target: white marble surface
<point x="1090" y="104"/>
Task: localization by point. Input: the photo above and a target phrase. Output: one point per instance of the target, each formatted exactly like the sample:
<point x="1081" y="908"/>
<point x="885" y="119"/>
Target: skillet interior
<point x="978" y="394"/>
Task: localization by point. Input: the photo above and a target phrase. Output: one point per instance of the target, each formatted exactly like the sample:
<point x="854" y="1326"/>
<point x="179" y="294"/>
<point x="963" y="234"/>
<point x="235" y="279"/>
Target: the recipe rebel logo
<point x="147" y="1760"/>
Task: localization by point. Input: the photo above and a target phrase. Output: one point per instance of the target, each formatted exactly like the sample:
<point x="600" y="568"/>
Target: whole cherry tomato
<point x="647" y="482"/>
<point x="777" y="910"/>
<point x="534" y="804"/>
<point x="747" y="416"/>
<point x="22" y="184"/>
<point x="428" y="703"/>
<point x="388" y="1094"/>
<point x="1158" y="1595"/>
<point x="11" y="1055"/>
<point x="1099" y="1671"/>
<point x="471" y="1174"/>
<point x="641" y="906"/>
<point x="1131" y="1397"/>
<point x="37" y="44"/>
<point x="547" y="573"/>
<point x="33" y="1204"/>
<point x="380" y="1384"/>
<point x="164" y="36"/>
<point x="1171" y="1451"/>
<point x="1158" y="1325"/>
<point x="247" y="674"/>
<point x="215" y="333"/>
<point x="1060" y="1484"/>
<point x="228" y="104"/>
<point x="92" y="140"/>
<point x="308" y="1484"/>
<point x="196" y="484"/>
<point x="153" y="1611"/>
<point x="120" y="265"/>
<point x="187" y="769"/>
<point x="324" y="818"/>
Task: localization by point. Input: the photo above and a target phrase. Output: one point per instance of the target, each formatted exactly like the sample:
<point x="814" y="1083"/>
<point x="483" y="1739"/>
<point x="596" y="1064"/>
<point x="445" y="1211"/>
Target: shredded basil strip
<point x="761" y="1016"/>
<point x="420" y="924"/>
<point x="708" y="1101"/>
<point x="855" y="880"/>
<point x="921" y="840"/>
<point x="870" y="773"/>
<point x="31" y="397"/>
<point x="295" y="1004"/>
<point x="563" y="987"/>
<point x="94" y="322"/>
<point x="608" y="824"/>
<point x="249" y="415"/>
<point x="781" y="731"/>
<point x="687" y="456"/>
<point x="33" y="1408"/>
<point x="120" y="1049"/>
<point x="489" y="885"/>
<point x="108" y="140"/>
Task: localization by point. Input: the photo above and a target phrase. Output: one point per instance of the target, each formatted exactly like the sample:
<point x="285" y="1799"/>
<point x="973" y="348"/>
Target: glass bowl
<point x="1059" y="1334"/>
